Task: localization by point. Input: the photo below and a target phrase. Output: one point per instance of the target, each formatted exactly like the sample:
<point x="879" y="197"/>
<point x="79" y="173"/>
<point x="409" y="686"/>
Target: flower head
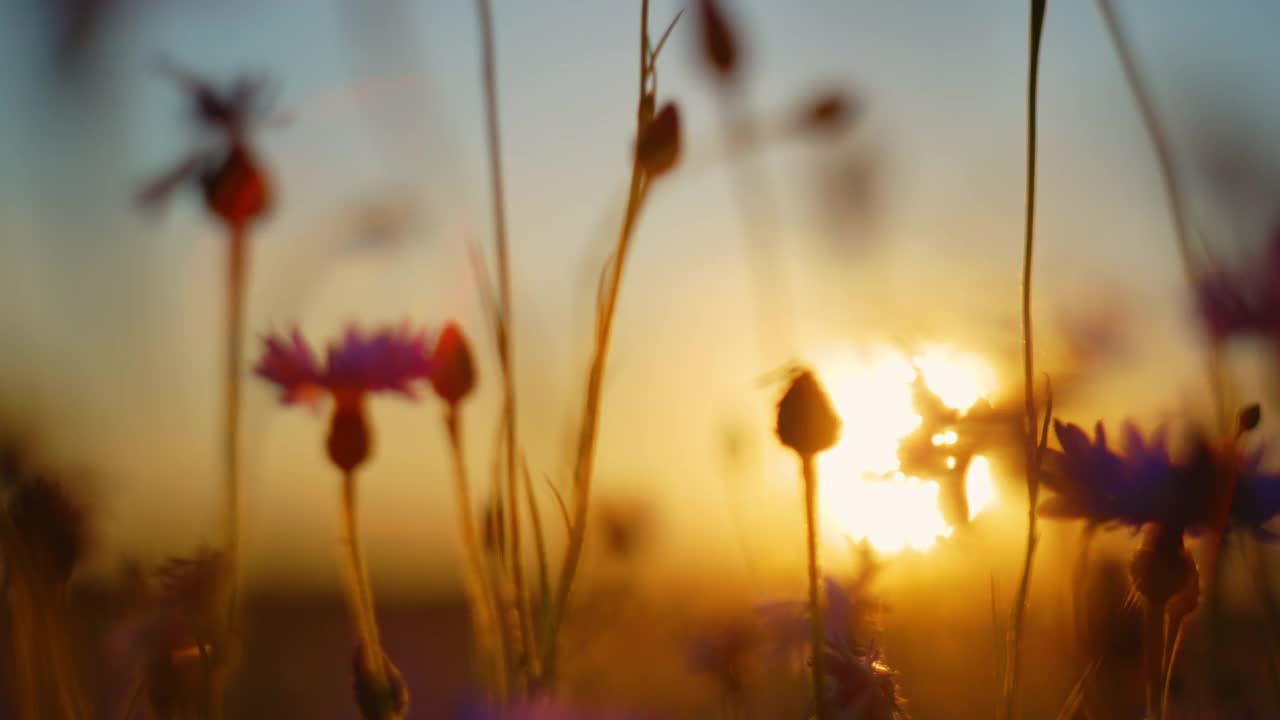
<point x="385" y="361"/>
<point x="453" y="374"/>
<point x="236" y="188"/>
<point x="50" y="528"/>
<point x="1145" y="483"/>
<point x="1243" y="302"/>
<point x="807" y="422"/>
<point x="388" y="360"/>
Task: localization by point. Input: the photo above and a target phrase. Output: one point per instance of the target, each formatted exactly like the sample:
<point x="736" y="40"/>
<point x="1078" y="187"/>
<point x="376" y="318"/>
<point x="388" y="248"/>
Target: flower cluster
<point x="1145" y="483"/>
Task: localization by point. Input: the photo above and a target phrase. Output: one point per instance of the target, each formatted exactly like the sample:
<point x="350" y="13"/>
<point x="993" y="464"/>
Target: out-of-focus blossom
<point x="49" y="529"/>
<point x="385" y="361"/>
<point x="388" y="360"/>
<point x="725" y="652"/>
<point x="453" y="375"/>
<point x="1243" y="302"/>
<point x="235" y="186"/>
<point x="1145" y="483"/>
<point x="719" y="46"/>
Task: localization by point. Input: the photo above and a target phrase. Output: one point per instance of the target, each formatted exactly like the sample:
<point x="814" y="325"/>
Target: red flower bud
<point x="237" y="190"/>
<point x="452" y="372"/>
<point x="658" y="147"/>
<point x="718" y="43"/>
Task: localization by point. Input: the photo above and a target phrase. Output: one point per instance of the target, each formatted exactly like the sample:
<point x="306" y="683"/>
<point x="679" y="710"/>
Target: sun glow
<point x="862" y="492"/>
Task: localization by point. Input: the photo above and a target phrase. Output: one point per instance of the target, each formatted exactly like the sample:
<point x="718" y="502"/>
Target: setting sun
<point x="863" y="493"/>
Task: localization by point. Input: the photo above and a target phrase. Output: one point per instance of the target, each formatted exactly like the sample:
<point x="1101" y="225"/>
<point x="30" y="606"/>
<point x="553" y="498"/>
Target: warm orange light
<point x="862" y="494"/>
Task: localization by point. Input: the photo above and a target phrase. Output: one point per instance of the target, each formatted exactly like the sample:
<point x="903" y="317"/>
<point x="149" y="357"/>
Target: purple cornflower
<point x="859" y="685"/>
<point x="1145" y="483"/>
<point x="389" y="360"/>
<point x="1243" y="302"/>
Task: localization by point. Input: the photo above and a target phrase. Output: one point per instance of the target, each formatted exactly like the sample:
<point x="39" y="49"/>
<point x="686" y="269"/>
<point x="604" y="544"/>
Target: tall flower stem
<point x="504" y="329"/>
<point x="583" y="466"/>
<point x="483" y="604"/>
<point x="1153" y="656"/>
<point x="1013" y="666"/>
<point x="236" y="276"/>
<point x="816" y="635"/>
<point x="1171" y="183"/>
<point x="360" y="593"/>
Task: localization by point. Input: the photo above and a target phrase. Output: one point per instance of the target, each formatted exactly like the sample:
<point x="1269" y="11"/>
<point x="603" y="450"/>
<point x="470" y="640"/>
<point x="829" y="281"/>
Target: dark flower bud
<point x="829" y="112"/>
<point x="658" y="147"/>
<point x="349" y="441"/>
<point x="50" y="528"/>
<point x="237" y="190"/>
<point x="718" y="43"/>
<point x="380" y="695"/>
<point x="452" y="373"/>
<point x="1250" y="416"/>
<point x="807" y="423"/>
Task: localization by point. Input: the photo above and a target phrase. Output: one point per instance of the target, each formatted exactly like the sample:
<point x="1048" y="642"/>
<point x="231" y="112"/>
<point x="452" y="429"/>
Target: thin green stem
<point x="816" y="634"/>
<point x="237" y="252"/>
<point x="506" y="350"/>
<point x="1013" y="668"/>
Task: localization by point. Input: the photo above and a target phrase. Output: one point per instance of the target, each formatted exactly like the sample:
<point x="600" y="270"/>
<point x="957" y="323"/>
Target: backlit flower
<point x="389" y="360"/>
<point x="1243" y="302"/>
<point x="807" y="422"/>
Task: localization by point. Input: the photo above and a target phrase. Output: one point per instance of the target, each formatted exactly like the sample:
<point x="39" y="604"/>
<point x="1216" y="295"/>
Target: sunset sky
<point x="111" y="316"/>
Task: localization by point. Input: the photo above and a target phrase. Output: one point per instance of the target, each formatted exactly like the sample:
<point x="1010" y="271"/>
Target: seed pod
<point x="807" y="423"/>
<point x="237" y="191"/>
<point x="1250" y="417"/>
<point x="718" y="43"/>
<point x="452" y="372"/>
<point x="379" y="698"/>
<point x="658" y="147"/>
<point x="349" y="442"/>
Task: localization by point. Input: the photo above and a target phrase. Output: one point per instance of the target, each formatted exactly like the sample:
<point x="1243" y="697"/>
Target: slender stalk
<point x="816" y="634"/>
<point x="583" y="466"/>
<point x="505" y="345"/>
<point x="1153" y="655"/>
<point x="360" y="594"/>
<point x="1013" y="667"/>
<point x="135" y="698"/>
<point x="483" y="608"/>
<point x="236" y="274"/>
<point x="1174" y="631"/>
<point x="1170" y="181"/>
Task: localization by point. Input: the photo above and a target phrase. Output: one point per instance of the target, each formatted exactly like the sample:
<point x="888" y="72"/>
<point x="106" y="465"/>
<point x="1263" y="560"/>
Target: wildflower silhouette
<point x="807" y="423"/>
<point x="43" y="536"/>
<point x="237" y="192"/>
<point x="453" y="379"/>
<point x="356" y="366"/>
<point x="1243" y="302"/>
<point x="1146" y="487"/>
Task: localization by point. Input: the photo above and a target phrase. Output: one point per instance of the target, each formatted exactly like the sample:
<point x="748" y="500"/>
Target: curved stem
<point x="505" y="346"/>
<point x="816" y="634"/>
<point x="360" y="594"/>
<point x="1013" y="667"/>
<point x="583" y="466"/>
<point x="1153" y="656"/>
<point x="484" y="612"/>
<point x="1173" y="629"/>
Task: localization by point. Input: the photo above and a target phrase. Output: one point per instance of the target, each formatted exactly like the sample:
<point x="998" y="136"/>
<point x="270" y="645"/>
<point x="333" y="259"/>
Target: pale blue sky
<point x="112" y="317"/>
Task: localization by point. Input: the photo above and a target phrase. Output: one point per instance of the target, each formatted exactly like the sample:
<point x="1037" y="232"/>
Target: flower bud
<point x="718" y="43"/>
<point x="829" y="112"/>
<point x="237" y="190"/>
<point x="1250" y="417"/>
<point x="807" y="423"/>
<point x="380" y="695"/>
<point x="658" y="147"/>
<point x="349" y="442"/>
<point x="452" y="372"/>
